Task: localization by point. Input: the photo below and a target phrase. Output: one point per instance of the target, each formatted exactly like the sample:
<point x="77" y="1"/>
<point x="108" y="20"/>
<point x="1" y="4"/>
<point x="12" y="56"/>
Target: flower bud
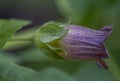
<point x="82" y="43"/>
<point x="73" y="42"/>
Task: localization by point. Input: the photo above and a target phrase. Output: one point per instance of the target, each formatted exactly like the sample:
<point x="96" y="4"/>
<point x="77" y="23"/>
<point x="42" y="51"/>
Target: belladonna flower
<point x="73" y="42"/>
<point x="82" y="43"/>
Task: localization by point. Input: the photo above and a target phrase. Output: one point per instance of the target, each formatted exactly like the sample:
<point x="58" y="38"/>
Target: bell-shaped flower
<point x="82" y="43"/>
<point x="73" y="42"/>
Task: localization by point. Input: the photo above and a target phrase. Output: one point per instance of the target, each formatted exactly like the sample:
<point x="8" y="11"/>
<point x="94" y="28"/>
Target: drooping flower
<point x="82" y="43"/>
<point x="73" y="42"/>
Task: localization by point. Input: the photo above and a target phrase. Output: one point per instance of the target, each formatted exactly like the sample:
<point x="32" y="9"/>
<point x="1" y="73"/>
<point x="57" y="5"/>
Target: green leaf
<point x="91" y="72"/>
<point x="8" y="27"/>
<point x="52" y="74"/>
<point x="90" y="12"/>
<point x="9" y="71"/>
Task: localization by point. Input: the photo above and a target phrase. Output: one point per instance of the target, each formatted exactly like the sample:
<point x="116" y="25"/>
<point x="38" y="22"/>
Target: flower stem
<point x="27" y="39"/>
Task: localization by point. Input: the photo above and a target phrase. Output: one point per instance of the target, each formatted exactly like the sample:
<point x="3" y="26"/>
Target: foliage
<point x="8" y="28"/>
<point x="9" y="71"/>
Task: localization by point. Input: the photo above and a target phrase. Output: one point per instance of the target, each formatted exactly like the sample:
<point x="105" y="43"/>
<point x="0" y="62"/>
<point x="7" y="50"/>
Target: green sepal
<point x="51" y="31"/>
<point x="45" y="49"/>
<point x="48" y="36"/>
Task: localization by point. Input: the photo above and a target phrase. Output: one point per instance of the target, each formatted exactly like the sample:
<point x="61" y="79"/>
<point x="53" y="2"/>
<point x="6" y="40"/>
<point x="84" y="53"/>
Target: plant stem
<point x="27" y="39"/>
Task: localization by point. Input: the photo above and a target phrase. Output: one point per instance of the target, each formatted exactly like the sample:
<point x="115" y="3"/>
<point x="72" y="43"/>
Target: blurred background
<point x="90" y="13"/>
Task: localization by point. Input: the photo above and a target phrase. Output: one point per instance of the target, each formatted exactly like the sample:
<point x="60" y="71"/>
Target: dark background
<point x="38" y="11"/>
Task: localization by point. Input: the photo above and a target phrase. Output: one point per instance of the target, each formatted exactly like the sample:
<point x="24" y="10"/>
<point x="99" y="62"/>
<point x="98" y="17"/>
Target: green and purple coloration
<point x="73" y="42"/>
<point x="82" y="43"/>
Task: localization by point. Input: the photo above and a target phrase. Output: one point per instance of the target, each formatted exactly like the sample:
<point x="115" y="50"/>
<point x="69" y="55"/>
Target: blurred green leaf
<point x="33" y="54"/>
<point x="90" y="72"/>
<point x="8" y="27"/>
<point x="55" y="75"/>
<point x="9" y="71"/>
<point x="90" y="12"/>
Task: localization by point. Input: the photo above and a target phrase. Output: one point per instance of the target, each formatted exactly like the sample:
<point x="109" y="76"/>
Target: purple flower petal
<point x="82" y="43"/>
